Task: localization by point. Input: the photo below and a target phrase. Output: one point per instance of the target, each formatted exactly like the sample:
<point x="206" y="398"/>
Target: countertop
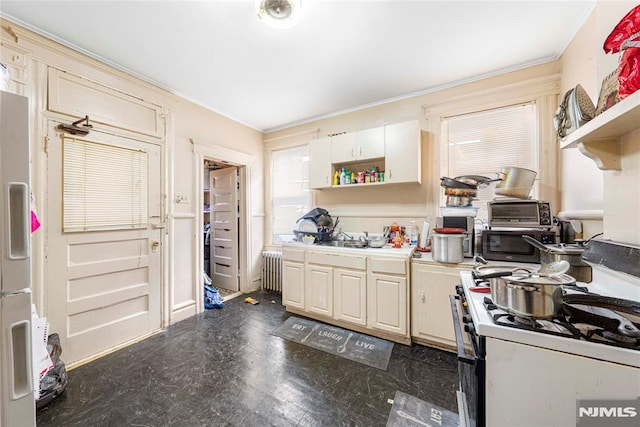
<point x="387" y="250"/>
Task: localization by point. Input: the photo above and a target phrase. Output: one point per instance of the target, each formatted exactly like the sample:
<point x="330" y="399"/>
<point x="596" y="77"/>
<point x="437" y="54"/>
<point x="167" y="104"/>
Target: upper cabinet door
<point x="370" y="143"/>
<point x="320" y="163"/>
<point x="344" y="147"/>
<point x="403" y="155"/>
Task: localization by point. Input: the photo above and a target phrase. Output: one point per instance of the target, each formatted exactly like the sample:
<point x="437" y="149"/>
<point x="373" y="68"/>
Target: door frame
<point x="245" y="164"/>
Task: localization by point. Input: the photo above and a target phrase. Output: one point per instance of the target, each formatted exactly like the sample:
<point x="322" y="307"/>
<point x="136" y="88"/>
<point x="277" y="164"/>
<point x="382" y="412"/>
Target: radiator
<point x="272" y="271"/>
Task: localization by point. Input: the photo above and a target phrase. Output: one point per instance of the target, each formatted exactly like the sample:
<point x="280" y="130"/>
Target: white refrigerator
<point x="16" y="371"/>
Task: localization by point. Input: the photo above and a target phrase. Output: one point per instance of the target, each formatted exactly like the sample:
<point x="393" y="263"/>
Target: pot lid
<point x="566" y="249"/>
<point x="536" y="279"/>
<point x="448" y="230"/>
<point x="491" y="271"/>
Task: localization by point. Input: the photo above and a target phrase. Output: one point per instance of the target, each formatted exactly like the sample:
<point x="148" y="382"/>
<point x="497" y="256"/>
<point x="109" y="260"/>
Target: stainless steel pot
<point x="578" y="269"/>
<point x="447" y="247"/>
<point x="516" y="182"/>
<point x="535" y="296"/>
<point x="492" y="273"/>
<point x="459" y="201"/>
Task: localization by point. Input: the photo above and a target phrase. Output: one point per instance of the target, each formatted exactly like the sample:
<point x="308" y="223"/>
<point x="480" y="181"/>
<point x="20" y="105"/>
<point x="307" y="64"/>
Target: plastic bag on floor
<point x="212" y="298"/>
<point x="54" y="382"/>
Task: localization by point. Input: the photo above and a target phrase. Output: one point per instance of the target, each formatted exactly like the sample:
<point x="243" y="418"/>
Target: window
<point x="290" y="195"/>
<point x="481" y="143"/>
<point x="105" y="186"/>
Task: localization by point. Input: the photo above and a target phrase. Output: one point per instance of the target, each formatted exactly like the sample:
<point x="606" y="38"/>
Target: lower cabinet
<point x="387" y="287"/>
<point x="387" y="305"/>
<point x="318" y="288"/>
<point x="431" y="319"/>
<point x="350" y="296"/>
<point x="293" y="277"/>
<point x="368" y="293"/>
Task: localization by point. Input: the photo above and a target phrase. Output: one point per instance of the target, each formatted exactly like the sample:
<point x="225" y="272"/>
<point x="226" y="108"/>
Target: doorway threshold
<point x="227" y="295"/>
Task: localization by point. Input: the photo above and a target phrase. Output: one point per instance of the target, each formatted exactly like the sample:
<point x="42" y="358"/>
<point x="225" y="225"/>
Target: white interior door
<point x="103" y="266"/>
<point x="223" y="185"/>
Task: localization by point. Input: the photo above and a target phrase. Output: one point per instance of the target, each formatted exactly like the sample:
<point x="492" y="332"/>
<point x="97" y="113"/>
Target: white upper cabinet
<point x="320" y="169"/>
<point x="395" y="149"/>
<point x="403" y="156"/>
<point x="370" y="143"/>
<point x="343" y="147"/>
<point x="361" y="145"/>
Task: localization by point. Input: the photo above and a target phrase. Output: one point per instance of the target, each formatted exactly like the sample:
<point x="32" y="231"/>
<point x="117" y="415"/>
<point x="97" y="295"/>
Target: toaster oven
<point x="519" y="213"/>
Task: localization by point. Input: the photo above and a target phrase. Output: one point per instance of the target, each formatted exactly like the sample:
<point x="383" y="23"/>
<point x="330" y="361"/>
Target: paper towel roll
<point x="424" y="237"/>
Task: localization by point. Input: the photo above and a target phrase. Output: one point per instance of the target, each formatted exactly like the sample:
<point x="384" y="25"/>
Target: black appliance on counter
<point x="508" y="244"/>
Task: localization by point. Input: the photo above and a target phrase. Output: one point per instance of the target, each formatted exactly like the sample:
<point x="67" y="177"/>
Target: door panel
<point x="223" y="185"/>
<point x="103" y="287"/>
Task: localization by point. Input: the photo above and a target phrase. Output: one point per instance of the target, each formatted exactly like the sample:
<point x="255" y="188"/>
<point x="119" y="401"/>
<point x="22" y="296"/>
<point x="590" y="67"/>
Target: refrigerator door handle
<point x="18" y="221"/>
<point x="19" y="354"/>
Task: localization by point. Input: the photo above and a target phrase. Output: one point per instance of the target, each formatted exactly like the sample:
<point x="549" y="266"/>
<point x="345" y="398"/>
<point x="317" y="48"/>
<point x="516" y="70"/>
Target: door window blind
<point x="481" y="143"/>
<point x="290" y="195"/>
<point x="105" y="187"/>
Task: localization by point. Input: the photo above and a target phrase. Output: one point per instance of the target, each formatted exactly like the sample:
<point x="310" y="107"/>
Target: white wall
<point x="371" y="208"/>
<point x="585" y="189"/>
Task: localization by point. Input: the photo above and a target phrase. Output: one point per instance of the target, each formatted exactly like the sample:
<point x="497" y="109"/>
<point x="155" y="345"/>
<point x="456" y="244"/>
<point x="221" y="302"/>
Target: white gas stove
<point x="492" y="322"/>
<point x="518" y="373"/>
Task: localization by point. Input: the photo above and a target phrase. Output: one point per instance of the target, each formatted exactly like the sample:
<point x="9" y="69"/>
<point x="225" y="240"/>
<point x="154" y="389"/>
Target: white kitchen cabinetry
<point x="320" y="170"/>
<point x="371" y="143"/>
<point x="431" y="319"/>
<point x="293" y="275"/>
<point x="361" y="145"/>
<point x="318" y="288"/>
<point x="387" y="307"/>
<point x="349" y="288"/>
<point x="350" y="296"/>
<point x="403" y="155"/>
<point x="328" y="273"/>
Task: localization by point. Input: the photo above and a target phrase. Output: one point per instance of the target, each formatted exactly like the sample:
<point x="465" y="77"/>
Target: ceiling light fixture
<point x="278" y="13"/>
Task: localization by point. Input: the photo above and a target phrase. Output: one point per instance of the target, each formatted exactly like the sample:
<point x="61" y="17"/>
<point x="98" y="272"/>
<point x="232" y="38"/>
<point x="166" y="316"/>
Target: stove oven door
<point x="471" y="367"/>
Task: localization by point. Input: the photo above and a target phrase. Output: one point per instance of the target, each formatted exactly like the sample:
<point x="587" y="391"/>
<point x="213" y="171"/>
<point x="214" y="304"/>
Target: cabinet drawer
<point x="338" y="260"/>
<point x="388" y="265"/>
<point x="289" y="254"/>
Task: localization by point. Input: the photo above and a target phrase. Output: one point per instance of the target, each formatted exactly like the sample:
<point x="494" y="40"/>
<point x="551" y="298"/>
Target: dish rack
<point x="322" y="235"/>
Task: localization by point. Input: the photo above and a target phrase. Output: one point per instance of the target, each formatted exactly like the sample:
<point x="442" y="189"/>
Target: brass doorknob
<point x="155" y="244"/>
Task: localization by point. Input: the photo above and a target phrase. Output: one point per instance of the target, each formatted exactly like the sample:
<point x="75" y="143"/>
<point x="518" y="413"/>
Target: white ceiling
<point x="340" y="56"/>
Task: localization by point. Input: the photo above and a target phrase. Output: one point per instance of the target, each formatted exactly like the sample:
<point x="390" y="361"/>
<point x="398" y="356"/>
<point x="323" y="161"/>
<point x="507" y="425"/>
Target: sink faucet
<point x="342" y="233"/>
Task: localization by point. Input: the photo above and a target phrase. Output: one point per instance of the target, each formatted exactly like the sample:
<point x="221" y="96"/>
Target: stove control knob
<point x="467" y="319"/>
<point x="469" y="328"/>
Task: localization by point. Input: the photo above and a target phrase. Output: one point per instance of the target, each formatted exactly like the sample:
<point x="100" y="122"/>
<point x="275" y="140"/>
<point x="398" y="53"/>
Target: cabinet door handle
<point x="361" y="150"/>
<point x="422" y="296"/>
<point x="352" y="152"/>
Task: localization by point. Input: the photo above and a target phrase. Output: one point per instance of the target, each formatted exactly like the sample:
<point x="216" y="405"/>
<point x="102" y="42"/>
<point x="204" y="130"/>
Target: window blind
<point x="290" y="195"/>
<point x="105" y="187"/>
<point x="481" y="143"/>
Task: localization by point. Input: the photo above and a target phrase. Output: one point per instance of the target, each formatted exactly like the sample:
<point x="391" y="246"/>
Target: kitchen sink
<point x="345" y="244"/>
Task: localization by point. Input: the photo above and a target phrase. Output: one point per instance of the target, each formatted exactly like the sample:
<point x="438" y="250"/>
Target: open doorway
<point x="221" y="226"/>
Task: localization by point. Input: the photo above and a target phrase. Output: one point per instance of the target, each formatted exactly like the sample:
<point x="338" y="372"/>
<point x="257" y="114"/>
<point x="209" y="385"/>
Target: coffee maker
<point x="464" y="222"/>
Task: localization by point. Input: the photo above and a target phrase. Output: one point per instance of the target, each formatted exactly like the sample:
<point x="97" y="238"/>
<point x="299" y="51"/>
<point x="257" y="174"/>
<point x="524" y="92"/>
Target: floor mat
<point x="351" y="345"/>
<point x="409" y="411"/>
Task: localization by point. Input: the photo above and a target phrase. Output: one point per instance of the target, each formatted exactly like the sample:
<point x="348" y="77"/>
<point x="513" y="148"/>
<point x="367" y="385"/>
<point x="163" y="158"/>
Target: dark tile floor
<point x="224" y="368"/>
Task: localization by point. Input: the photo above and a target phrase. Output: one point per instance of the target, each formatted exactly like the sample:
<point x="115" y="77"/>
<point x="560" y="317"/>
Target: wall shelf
<point x="599" y="139"/>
